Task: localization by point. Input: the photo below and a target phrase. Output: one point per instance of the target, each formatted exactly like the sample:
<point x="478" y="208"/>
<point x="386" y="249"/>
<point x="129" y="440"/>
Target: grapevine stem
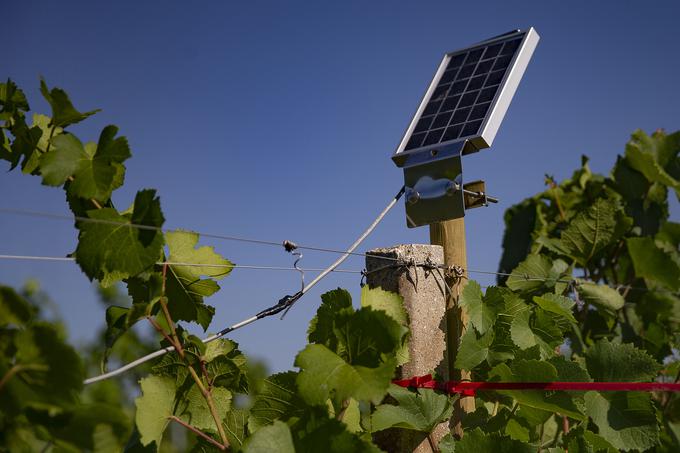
<point x="178" y="346"/>
<point x="198" y="432"/>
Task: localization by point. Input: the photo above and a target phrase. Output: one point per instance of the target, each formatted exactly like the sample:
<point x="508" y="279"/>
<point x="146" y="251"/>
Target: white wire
<point x="252" y="319"/>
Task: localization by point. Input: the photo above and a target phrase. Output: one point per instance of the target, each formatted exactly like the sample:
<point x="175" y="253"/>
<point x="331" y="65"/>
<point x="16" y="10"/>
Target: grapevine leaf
<point x="538" y="272"/>
<point x="608" y="362"/>
<point x="392" y="304"/>
<point x="590" y="231"/>
<point x="366" y="337"/>
<point x="447" y="444"/>
<point x="275" y="437"/>
<point x="35" y="150"/>
<point x="473" y="350"/>
<point x="580" y="440"/>
<point x="193" y="409"/>
<point x="480" y="442"/>
<point x="650" y="155"/>
<point x="111" y="249"/>
<point x="12" y="98"/>
<point x="104" y="441"/>
<point x="44" y="361"/>
<point x="331" y="435"/>
<point x="62" y="161"/>
<point x="184" y="287"/>
<point x="601" y="296"/>
<point x="419" y="411"/>
<point x="352" y="417"/>
<point x="96" y="170"/>
<point x="154" y="407"/>
<point x="569" y="371"/>
<point x="277" y="400"/>
<point x="624" y="419"/>
<point x="652" y="263"/>
<point x="536" y="371"/>
<point x="324" y="374"/>
<point x="14" y="309"/>
<point x="321" y="327"/>
<point x="235" y="427"/>
<point x="559" y="305"/>
<point x="480" y="314"/>
<point x="63" y="111"/>
<point x="83" y="423"/>
<point x="389" y="302"/>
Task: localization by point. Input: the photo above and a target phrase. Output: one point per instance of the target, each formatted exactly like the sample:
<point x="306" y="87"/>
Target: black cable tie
<point x="283" y="304"/>
<point x="289" y="246"/>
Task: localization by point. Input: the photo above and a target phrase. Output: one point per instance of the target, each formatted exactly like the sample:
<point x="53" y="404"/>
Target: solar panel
<point x="469" y="95"/>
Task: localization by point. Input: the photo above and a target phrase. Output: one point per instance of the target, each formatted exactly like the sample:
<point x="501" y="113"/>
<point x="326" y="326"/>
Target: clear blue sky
<point x="277" y="120"/>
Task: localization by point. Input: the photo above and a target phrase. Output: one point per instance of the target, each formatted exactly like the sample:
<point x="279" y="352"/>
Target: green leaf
<point x="275" y="437"/>
<point x="447" y="444"/>
<point x="624" y="419"/>
<point x="559" y="305"/>
<point x="96" y="170"/>
<point x="63" y="161"/>
<point x="277" y="400"/>
<point x="609" y="362"/>
<point x="473" y="350"/>
<point x="33" y="152"/>
<point x="479" y="442"/>
<point x="193" y="409"/>
<point x="536" y="371"/>
<point x="480" y="314"/>
<point x="104" y="441"/>
<point x="184" y="286"/>
<point x="113" y="250"/>
<point x="154" y="407"/>
<point x="601" y="296"/>
<point x="538" y="272"/>
<point x="419" y="411"/>
<point x="321" y="327"/>
<point x="393" y="305"/>
<point x="389" y="302"/>
<point x="63" y="112"/>
<point x="43" y="362"/>
<point x="235" y="422"/>
<point x="324" y="375"/>
<point x="329" y="435"/>
<point x="650" y="155"/>
<point x="590" y="231"/>
<point x="367" y="337"/>
<point x="14" y="309"/>
<point x="652" y="263"/>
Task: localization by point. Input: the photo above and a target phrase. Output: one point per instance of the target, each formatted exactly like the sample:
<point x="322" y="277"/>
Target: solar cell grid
<point x="458" y="105"/>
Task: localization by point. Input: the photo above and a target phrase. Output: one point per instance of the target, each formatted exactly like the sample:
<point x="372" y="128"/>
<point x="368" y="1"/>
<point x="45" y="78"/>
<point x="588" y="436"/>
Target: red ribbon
<point x="469" y="388"/>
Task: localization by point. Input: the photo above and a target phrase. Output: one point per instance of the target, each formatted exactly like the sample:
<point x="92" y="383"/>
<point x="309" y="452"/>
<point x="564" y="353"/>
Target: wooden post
<point x="423" y="291"/>
<point x="451" y="236"/>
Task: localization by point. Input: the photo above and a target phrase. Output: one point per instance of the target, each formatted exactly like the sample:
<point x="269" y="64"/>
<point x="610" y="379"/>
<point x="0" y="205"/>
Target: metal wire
<point x="284" y="304"/>
<point x="47" y="215"/>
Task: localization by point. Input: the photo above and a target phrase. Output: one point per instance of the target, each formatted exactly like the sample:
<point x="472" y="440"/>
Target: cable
<point x="47" y="215"/>
<point x="284" y="303"/>
<point x="176" y="263"/>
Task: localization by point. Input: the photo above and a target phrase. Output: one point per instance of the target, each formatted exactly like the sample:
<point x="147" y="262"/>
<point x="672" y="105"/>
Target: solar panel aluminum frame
<point x="499" y="104"/>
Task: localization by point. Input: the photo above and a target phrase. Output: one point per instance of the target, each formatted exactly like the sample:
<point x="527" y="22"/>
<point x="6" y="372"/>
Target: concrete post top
<point x="418" y="253"/>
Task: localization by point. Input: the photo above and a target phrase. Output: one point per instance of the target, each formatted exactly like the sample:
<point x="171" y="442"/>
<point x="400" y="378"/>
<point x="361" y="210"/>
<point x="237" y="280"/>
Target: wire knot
<point x="289" y="246"/>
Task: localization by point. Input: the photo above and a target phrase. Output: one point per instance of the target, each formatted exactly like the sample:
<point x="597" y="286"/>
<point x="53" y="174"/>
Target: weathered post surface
<point x="423" y="291"/>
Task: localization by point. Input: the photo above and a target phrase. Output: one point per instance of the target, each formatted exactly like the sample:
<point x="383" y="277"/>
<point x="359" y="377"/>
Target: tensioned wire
<point x="523" y="277"/>
<point x="284" y="304"/>
<point x="47" y="215"/>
